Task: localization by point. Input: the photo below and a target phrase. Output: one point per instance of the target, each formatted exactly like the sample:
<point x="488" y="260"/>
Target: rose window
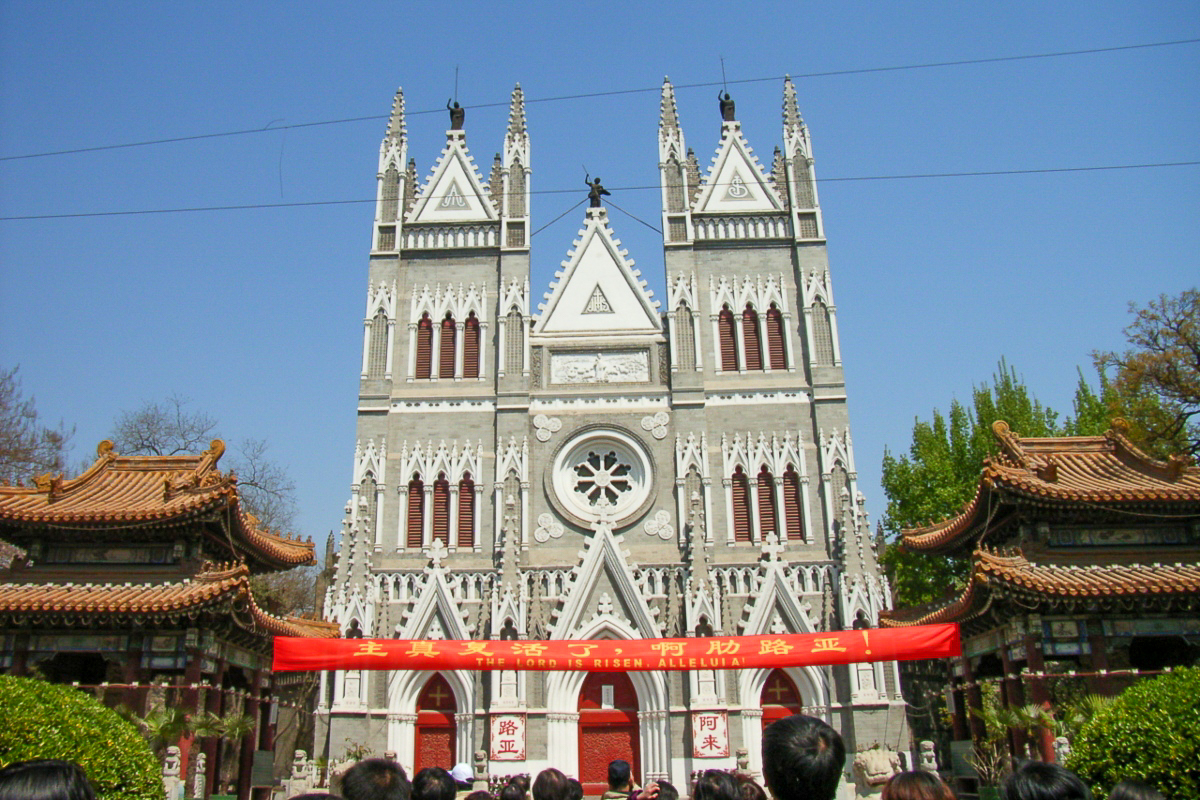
<point x="602" y="474"/>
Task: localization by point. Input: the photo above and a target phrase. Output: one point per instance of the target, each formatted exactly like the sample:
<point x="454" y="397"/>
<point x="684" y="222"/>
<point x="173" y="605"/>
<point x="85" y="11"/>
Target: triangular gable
<point x="435" y="612"/>
<point x="598" y="289"/>
<point x="735" y="182"/>
<point x="454" y="191"/>
<point x="775" y="593"/>
<point x="604" y="569"/>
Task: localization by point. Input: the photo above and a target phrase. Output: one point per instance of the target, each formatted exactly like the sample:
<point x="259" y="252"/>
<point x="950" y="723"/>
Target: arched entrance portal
<point x="779" y="698"/>
<point x="608" y="728"/>
<point x="435" y="726"/>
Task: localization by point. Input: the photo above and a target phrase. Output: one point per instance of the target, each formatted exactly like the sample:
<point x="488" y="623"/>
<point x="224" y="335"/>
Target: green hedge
<point x="1151" y="733"/>
<point x="46" y="720"/>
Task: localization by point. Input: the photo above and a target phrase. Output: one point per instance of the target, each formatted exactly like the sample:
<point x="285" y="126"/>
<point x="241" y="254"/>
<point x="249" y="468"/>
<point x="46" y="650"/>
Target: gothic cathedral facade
<point x="595" y="467"/>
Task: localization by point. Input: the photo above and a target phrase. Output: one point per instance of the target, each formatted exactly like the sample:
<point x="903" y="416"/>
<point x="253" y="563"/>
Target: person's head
<point x="1035" y="780"/>
<point x="1134" y="790"/>
<point x="715" y="784"/>
<point x="315" y="796"/>
<point x="620" y="774"/>
<point x="748" y="788"/>
<point x="551" y="784"/>
<point x="520" y="781"/>
<point x="434" y="783"/>
<point x="44" y="779"/>
<point x="802" y="758"/>
<point x="479" y="794"/>
<point x="512" y="791"/>
<point x="666" y="791"/>
<point x="916" y="785"/>
<point x="376" y="779"/>
<point x="462" y="775"/>
<point x="575" y="789"/>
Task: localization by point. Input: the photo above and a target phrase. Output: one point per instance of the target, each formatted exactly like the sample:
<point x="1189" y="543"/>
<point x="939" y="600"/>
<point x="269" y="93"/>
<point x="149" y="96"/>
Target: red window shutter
<point x="767" y="520"/>
<point x="793" y="516"/>
<point x="741" y="506"/>
<point x="446" y="353"/>
<point x="471" y="347"/>
<point x="424" y="348"/>
<point x="416" y="512"/>
<point x="441" y="509"/>
<point x="775" y="338"/>
<point x="750" y="338"/>
<point x="466" y="512"/>
<point x="728" y="343"/>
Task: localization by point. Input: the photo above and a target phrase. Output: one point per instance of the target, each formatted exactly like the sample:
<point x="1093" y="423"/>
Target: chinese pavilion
<point x="135" y="582"/>
<point x="1083" y="550"/>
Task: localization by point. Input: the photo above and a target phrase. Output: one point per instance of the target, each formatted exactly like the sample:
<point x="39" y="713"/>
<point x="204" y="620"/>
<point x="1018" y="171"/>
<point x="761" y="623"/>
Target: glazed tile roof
<point x="217" y="590"/>
<point x="1076" y="470"/>
<point x="993" y="574"/>
<point x="119" y="490"/>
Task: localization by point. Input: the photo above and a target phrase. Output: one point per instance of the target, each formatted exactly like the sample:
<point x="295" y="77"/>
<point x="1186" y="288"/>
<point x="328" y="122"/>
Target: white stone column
<point x="391" y="342"/>
<point x="562" y="741"/>
<point x="452" y="528"/>
<point x="412" y="351"/>
<point x="427" y="518"/>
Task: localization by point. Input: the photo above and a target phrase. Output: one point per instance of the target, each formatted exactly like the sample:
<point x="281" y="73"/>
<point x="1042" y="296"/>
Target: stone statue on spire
<point x="728" y="112"/>
<point x="457" y="115"/>
<point x="595" y="191"/>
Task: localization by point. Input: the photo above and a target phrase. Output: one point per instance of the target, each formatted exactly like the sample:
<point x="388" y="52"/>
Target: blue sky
<point x="256" y="315"/>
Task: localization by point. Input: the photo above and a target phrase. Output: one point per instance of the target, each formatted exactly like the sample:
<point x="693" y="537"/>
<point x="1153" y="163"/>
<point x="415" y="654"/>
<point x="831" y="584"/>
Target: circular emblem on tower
<point x="602" y="473"/>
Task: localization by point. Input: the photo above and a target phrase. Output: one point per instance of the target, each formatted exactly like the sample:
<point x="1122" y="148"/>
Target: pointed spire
<point x="668" y="112"/>
<point x="792" y="122"/>
<point x="396" y="129"/>
<point x="516" y="113"/>
<point x="670" y="135"/>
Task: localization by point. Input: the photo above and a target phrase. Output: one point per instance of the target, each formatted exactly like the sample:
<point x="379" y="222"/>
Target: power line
<point x="655" y="187"/>
<point x="610" y="93"/>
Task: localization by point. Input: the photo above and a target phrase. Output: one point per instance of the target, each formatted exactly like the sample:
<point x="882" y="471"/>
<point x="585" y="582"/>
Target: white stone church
<point x="597" y="466"/>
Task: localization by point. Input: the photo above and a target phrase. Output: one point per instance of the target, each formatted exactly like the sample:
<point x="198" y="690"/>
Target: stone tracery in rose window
<point x="602" y="478"/>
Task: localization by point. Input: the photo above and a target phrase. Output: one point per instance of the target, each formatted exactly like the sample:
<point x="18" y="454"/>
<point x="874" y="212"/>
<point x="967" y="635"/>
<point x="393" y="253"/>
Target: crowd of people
<point x="803" y="759"/>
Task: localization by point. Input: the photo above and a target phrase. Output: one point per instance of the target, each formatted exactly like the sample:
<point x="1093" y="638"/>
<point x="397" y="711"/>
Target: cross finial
<point x="772" y="548"/>
<point x="437" y="552"/>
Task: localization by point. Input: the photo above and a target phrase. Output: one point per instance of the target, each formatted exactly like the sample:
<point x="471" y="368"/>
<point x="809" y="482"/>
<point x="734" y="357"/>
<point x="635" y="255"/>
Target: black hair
<point x="376" y="779"/>
<point x="512" y="791"/>
<point x="1035" y="780"/>
<point x="434" y="783"/>
<point x="551" y="784"/>
<point x="479" y="794"/>
<point x="316" y="796"/>
<point x="802" y="758"/>
<point x="715" y="784"/>
<point x="1134" y="790"/>
<point x="45" y="779"/>
<point x="748" y="788"/>
<point x="620" y="774"/>
<point x="667" y="791"/>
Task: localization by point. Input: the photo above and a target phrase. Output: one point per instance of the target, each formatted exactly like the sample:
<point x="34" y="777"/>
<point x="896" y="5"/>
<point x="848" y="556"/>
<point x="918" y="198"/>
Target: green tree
<point x="940" y="474"/>
<point x="1161" y="371"/>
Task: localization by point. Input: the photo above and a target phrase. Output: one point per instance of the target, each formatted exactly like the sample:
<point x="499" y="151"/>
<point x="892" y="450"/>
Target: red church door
<point x="779" y="698"/>
<point x="608" y="728"/>
<point x="435" y="726"/>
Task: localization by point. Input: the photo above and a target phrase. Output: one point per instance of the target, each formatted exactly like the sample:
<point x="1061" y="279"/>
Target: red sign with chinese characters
<point x="717" y="652"/>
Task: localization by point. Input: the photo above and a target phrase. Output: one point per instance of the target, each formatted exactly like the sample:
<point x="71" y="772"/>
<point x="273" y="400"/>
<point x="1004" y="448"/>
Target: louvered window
<point x="822" y="335"/>
<point x="792" y="513"/>
<point x="726" y="327"/>
<point x="775" y="347"/>
<point x="741" y="506"/>
<point x="441" y="509"/>
<point x="446" y="351"/>
<point x="471" y="347"/>
<point x="750" y="338"/>
<point x="767" y="519"/>
<point x="685" y="338"/>
<point x="514" y="343"/>
<point x="424" y="364"/>
<point x="466" y="511"/>
<point x="377" y="358"/>
<point x="414" y="527"/>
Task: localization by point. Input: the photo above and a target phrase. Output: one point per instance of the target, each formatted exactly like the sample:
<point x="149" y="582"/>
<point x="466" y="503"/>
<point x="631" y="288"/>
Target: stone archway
<point x="608" y="728"/>
<point x="436" y="729"/>
<point x="779" y="698"/>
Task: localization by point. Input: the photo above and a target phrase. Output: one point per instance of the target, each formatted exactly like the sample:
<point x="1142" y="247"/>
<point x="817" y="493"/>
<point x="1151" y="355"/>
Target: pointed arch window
<point x="377" y="358"/>
<point x="415" y="524"/>
<point x="838" y="485"/>
<point x="727" y="333"/>
<point x="390" y="196"/>
<point x="751" y="339"/>
<point x="514" y="342"/>
<point x="674" y="185"/>
<point x="767" y="518"/>
<point x="776" y="353"/>
<point x="793" y="514"/>
<point x="740" y="491"/>
<point x="471" y="346"/>
<point x="367" y="503"/>
<point x="822" y="334"/>
<point x="446" y="347"/>
<point x="424" y="365"/>
<point x="516" y="190"/>
<point x="441" y="508"/>
<point x="466" y="511"/>
<point x="685" y="338"/>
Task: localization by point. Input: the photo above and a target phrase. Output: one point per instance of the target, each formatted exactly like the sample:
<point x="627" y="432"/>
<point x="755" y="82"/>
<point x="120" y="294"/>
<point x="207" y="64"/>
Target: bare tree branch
<point x="27" y="448"/>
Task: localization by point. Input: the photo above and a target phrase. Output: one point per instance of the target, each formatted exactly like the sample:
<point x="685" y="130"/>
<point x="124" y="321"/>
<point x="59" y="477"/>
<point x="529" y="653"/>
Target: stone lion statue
<point x="873" y="767"/>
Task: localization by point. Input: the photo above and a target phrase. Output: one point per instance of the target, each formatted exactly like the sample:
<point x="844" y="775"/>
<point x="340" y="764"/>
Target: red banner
<point x="717" y="652"/>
